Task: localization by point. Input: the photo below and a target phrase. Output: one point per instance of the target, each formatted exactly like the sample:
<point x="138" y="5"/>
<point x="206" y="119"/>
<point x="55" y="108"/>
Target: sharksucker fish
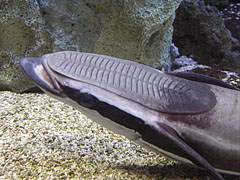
<point x="191" y="118"/>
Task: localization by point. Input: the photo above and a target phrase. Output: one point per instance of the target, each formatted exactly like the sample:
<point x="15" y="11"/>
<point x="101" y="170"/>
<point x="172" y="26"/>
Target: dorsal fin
<point x="201" y="78"/>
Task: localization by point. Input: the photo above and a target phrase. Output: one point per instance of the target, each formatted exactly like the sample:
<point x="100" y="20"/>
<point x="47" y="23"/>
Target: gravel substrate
<point x="41" y="138"/>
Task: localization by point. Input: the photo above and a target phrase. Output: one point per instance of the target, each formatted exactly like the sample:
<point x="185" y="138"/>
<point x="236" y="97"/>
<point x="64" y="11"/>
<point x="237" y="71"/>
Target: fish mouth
<point x="38" y="70"/>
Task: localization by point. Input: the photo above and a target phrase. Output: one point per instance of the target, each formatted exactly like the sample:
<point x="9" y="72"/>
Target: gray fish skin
<point x="194" y="121"/>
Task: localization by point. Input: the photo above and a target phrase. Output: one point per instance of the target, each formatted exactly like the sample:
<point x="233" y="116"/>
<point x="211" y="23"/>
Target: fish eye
<point x="86" y="100"/>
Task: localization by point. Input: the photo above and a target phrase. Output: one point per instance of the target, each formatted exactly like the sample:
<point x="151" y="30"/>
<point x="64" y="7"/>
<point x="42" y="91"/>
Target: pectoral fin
<point x="173" y="137"/>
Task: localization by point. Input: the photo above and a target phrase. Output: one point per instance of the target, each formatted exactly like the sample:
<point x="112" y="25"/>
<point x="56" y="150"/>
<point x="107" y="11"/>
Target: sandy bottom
<point x="41" y="138"/>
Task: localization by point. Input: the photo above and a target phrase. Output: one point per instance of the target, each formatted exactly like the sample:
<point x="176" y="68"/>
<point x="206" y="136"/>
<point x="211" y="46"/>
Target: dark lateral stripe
<point x="148" y="134"/>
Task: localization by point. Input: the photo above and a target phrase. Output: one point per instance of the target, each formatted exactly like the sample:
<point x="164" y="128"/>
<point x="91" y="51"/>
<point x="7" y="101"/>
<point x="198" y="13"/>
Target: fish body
<point x="191" y="118"/>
